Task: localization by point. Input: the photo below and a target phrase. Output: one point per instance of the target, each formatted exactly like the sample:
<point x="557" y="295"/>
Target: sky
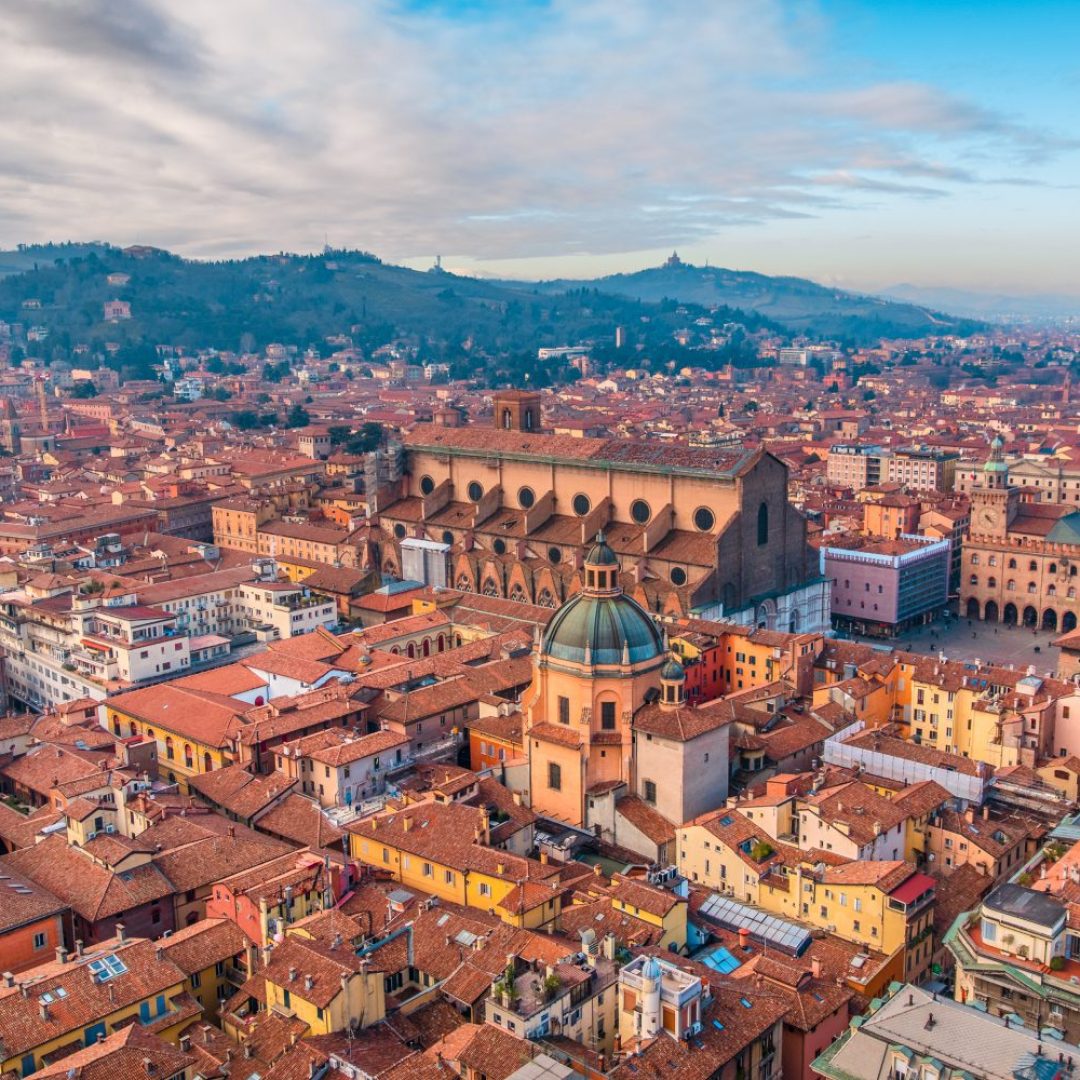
<point x="861" y="143"/>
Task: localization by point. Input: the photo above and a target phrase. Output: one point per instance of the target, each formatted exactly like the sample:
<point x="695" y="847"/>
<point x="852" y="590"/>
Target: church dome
<point x="601" y="554"/>
<point x="601" y="624"/>
<point x="600" y="629"/>
<point x="672" y="671"/>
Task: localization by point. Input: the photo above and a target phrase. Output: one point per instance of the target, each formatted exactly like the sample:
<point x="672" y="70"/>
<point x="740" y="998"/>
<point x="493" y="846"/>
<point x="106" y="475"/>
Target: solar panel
<point x="763" y="927"/>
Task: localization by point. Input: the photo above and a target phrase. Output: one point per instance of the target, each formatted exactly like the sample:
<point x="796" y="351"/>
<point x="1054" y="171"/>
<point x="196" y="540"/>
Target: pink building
<point x="115" y="310"/>
<point x="880" y="586"/>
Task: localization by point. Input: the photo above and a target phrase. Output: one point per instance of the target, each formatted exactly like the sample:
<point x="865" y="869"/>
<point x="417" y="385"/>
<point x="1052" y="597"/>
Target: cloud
<point x="499" y="130"/>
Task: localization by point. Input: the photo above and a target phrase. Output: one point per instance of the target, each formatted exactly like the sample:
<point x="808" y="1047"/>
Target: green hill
<point x="301" y="300"/>
<point x="800" y="305"/>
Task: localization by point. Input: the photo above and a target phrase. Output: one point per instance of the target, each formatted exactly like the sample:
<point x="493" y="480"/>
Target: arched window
<point x="974" y="579"/>
<point x="1051" y="590"/>
<point x="207" y="762"/>
<point x="1010" y="585"/>
<point x="991" y="582"/>
<point x="426" y="647"/>
<point x="763" y="524"/>
<point x="441" y="643"/>
<point x="1072" y="593"/>
<point x="170" y="753"/>
<point x="189" y="756"/>
<point x="1012" y="564"/>
<point x="410" y="650"/>
<point x="1053" y="568"/>
<point x="1033" y="566"/>
<point x="1031" y="586"/>
<point x="974" y="558"/>
<point x="992" y="561"/>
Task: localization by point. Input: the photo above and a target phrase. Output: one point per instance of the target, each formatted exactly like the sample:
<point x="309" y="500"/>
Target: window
<point x="650" y="791"/>
<point x="607" y="715"/>
<point x="475" y="491"/>
<point x="428" y="872"/>
<point x="564" y="710"/>
<point x="582" y="504"/>
<point x="40" y="941"/>
<point x="485" y="889"/>
<point x="554" y="776"/>
<point x="763" y="524"/>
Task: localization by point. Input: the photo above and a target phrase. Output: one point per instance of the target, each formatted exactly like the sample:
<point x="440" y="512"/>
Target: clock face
<point x="988" y="518"/>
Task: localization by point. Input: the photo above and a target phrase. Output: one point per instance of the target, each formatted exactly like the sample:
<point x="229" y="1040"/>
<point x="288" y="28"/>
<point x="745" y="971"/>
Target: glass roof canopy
<point x="764" y="928"/>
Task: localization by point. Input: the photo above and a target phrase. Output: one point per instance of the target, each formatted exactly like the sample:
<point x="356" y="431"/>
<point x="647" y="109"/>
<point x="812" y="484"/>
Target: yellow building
<point x="659" y="908"/>
<point x="440" y="849"/>
<point x="74" y="1000"/>
<point x="215" y="957"/>
<point x="194" y="732"/>
<point x="884" y="905"/>
<point x="327" y="989"/>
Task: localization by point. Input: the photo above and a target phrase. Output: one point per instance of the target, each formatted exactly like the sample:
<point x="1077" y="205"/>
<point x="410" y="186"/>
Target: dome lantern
<point x="601" y="626"/>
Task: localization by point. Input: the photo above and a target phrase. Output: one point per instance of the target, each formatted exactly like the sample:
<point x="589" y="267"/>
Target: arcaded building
<point x="1021" y="561"/>
<point x="696" y="530"/>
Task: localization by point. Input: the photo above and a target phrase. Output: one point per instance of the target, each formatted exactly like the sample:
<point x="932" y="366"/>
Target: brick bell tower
<point x="517" y="410"/>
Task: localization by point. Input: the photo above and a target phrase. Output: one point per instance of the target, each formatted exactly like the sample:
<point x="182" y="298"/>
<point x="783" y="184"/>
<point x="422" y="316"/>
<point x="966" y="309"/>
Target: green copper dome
<point x="672" y="671"/>
<point x="601" y="553"/>
<point x="600" y="629"/>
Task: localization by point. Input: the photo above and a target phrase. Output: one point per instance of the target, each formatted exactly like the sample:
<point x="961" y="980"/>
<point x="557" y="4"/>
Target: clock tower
<point x="993" y="502"/>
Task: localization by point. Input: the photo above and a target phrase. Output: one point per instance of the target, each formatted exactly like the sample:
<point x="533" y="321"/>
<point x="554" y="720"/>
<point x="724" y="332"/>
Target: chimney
<point x="311" y="1069"/>
<point x="406" y="823"/>
<point x="78" y="949"/>
<point x="292" y="974"/>
<point x="159" y="954"/>
<point x="232" y="832"/>
<point x="609" y="946"/>
<point x="517" y="798"/>
<point x="61" y="954"/>
<point x="309" y="983"/>
<point x="185" y="1043"/>
<point x="9" y="979"/>
<point x="148" y="1066"/>
<point x="986" y="813"/>
<point x="543" y="858"/>
<point x="815" y="967"/>
<point x="248" y="1051"/>
<point x="44" y="1008"/>
<point x="121" y="936"/>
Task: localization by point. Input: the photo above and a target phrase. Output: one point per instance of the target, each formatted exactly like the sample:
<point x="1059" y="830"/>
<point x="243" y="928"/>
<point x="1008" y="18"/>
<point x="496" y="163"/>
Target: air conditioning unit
<point x="110" y="828"/>
<point x="91" y="835"/>
<point x="693" y="1029"/>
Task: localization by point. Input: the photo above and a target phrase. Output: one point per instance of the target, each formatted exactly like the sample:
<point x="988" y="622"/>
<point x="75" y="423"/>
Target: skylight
<point x="107" y="967"/>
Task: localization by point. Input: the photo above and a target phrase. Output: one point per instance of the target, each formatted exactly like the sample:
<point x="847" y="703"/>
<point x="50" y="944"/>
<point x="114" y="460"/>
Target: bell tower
<point x="993" y="502"/>
<point x="517" y="410"/>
